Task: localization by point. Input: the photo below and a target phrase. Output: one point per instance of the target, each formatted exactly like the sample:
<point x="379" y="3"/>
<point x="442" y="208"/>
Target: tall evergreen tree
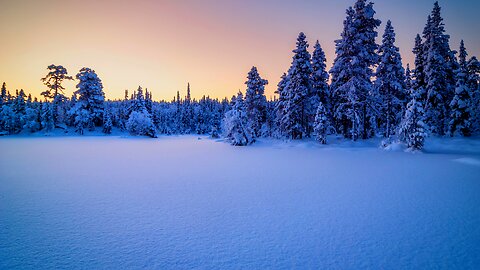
<point x="255" y="102"/>
<point x="90" y="96"/>
<point x="408" y="78"/>
<point x="47" y="116"/>
<point x="473" y="83"/>
<point x="390" y="83"/>
<point x="440" y="65"/>
<point x="280" y="105"/>
<point x="297" y="90"/>
<point x="419" y="71"/>
<point x="460" y="106"/>
<point x="355" y="106"/>
<point x="19" y="110"/>
<point x="341" y="74"/>
<point x="3" y="94"/>
<point x="107" y="121"/>
<point x="53" y="80"/>
<point x="320" y="78"/>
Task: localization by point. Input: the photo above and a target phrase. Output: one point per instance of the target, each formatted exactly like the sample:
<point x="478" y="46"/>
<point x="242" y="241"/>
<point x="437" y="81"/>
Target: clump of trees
<point x="366" y="93"/>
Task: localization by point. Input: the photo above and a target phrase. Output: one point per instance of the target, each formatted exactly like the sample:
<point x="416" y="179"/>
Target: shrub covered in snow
<point x="413" y="130"/>
<point x="236" y="129"/>
<point x="140" y="123"/>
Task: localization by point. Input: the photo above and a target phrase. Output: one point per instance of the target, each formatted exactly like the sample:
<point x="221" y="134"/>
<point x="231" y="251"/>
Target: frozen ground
<point x="182" y="203"/>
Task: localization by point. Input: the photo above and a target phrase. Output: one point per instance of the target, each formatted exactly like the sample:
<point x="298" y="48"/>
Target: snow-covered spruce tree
<point x="341" y="74"/>
<point x="90" y="97"/>
<point x="473" y="83"/>
<point x="186" y="113"/>
<point x="280" y="106"/>
<point x="47" y="117"/>
<point x="3" y="94"/>
<point x="413" y="130"/>
<point x="460" y="112"/>
<point x="419" y="71"/>
<point x="215" y="123"/>
<point x="140" y="121"/>
<point x="390" y="83"/>
<point x="255" y="102"/>
<point x="322" y="125"/>
<point x="53" y="80"/>
<point x="236" y="130"/>
<point x="19" y="106"/>
<point x="440" y="66"/>
<point x="148" y="101"/>
<point x="294" y="114"/>
<point x="408" y="79"/>
<point x="270" y="128"/>
<point x="107" y="121"/>
<point x="354" y="103"/>
<point x="83" y="120"/>
<point x="320" y="80"/>
<point x="32" y="119"/>
<point x="7" y="120"/>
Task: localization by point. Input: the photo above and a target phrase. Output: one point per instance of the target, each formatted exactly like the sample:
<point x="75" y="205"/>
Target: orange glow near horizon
<point x="162" y="45"/>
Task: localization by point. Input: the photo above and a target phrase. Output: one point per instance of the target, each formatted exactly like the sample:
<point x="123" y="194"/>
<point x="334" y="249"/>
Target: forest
<point x="367" y="93"/>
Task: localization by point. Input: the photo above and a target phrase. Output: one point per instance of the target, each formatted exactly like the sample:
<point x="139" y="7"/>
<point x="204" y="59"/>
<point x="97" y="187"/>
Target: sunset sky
<point x="162" y="45"/>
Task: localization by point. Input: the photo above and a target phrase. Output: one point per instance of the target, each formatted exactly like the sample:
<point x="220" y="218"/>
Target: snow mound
<point x="469" y="161"/>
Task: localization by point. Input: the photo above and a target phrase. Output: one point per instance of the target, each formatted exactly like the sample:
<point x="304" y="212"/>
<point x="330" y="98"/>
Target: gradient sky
<point x="212" y="44"/>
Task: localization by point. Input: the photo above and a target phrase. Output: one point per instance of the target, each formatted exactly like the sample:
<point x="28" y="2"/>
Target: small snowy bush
<point x="140" y="123"/>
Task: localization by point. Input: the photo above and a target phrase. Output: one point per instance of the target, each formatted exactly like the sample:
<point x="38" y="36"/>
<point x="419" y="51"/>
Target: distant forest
<point x="366" y="93"/>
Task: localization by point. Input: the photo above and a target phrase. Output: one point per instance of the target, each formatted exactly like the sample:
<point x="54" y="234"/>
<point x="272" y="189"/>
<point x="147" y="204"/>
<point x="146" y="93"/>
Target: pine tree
<point x="53" y="80"/>
<point x="355" y="106"/>
<point x="139" y="120"/>
<point x="408" y="78"/>
<point x="107" y="121"/>
<point x="83" y="120"/>
<point x="148" y="101"/>
<point x="186" y="112"/>
<point x="390" y="83"/>
<point x="322" y="125"/>
<point x="7" y="120"/>
<point x="280" y="105"/>
<point x="341" y="74"/>
<point x="419" y="71"/>
<point x="460" y="106"/>
<point x="319" y="81"/>
<point x="19" y="109"/>
<point x="47" y="116"/>
<point x="413" y="130"/>
<point x="138" y="103"/>
<point x="90" y="96"/>
<point x="473" y="83"/>
<point x="255" y="102"/>
<point x="3" y="94"/>
<point x="440" y="65"/>
<point x="297" y="90"/>
<point x="31" y="119"/>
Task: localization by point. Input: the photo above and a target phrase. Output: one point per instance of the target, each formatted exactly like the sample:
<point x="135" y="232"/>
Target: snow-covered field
<point x="183" y="202"/>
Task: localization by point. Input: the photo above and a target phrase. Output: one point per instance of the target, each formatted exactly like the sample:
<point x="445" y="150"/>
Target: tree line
<point x="366" y="93"/>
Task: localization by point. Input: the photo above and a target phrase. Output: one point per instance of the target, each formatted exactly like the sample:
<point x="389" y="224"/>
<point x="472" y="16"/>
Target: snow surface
<point x="183" y="202"/>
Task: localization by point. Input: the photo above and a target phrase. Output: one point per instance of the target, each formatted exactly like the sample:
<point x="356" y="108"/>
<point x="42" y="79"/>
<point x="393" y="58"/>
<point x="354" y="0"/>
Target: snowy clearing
<point x="183" y="202"/>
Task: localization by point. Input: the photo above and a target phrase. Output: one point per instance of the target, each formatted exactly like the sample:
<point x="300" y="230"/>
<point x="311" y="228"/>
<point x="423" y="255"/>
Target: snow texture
<point x="183" y="203"/>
